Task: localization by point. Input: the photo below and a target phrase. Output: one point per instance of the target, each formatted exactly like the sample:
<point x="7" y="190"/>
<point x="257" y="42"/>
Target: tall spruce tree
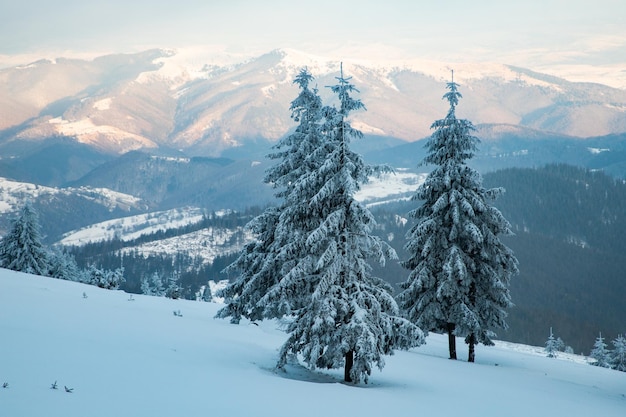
<point x="21" y="249"/>
<point x="341" y="315"/>
<point x="274" y="252"/>
<point x="310" y="262"/>
<point x="460" y="270"/>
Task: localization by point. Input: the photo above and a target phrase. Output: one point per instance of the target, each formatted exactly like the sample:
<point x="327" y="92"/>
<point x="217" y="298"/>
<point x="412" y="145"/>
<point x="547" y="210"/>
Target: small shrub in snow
<point x="153" y="285"/>
<point x="110" y="280"/>
<point x="552" y="345"/>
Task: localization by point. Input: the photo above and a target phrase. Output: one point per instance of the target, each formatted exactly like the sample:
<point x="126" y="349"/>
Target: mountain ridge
<point x="163" y="98"/>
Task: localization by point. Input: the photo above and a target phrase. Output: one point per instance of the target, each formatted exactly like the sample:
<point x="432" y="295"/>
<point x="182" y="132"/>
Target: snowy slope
<point x="13" y="194"/>
<point x="400" y="185"/>
<point x="132" y="227"/>
<point x="126" y="358"/>
<point x="205" y="244"/>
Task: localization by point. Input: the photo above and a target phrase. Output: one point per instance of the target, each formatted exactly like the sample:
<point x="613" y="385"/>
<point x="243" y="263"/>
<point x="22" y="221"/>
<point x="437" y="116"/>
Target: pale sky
<point x="535" y="34"/>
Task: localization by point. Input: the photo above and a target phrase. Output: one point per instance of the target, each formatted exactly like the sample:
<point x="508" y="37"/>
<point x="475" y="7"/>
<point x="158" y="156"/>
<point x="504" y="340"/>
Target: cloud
<point x="534" y="32"/>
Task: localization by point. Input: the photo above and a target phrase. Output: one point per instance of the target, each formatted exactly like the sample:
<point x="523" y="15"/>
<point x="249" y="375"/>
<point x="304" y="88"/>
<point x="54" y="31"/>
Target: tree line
<point x="22" y="250"/>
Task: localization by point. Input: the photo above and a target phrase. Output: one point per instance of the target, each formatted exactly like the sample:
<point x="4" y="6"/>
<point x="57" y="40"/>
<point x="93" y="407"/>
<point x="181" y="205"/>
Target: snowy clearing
<point x="205" y="244"/>
<point x="390" y="187"/>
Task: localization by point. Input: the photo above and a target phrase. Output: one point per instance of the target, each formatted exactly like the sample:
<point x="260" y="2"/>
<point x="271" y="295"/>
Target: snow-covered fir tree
<point x="173" y="289"/>
<point x="21" y="249"/>
<point x="261" y="262"/>
<point x="460" y="270"/>
<point x="205" y="293"/>
<point x="600" y="353"/>
<point x="341" y="315"/>
<point x="103" y="278"/>
<point x="153" y="286"/>
<point x="552" y="345"/>
<point x="64" y="266"/>
<point x="310" y="262"/>
<point x="618" y="354"/>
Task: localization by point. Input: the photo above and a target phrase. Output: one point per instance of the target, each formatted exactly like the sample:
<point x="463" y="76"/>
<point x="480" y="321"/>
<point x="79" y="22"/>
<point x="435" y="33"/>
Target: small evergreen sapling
<point x="600" y="353"/>
<point x="618" y="354"/>
<point x="552" y="345"/>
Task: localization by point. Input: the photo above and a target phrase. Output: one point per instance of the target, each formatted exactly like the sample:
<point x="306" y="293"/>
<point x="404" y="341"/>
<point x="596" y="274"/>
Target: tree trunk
<point x="348" y="368"/>
<point x="451" y="341"/>
<point x="472" y="343"/>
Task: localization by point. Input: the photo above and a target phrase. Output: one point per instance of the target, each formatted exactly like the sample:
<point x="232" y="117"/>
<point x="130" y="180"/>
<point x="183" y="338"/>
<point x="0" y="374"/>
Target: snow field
<point x="125" y="357"/>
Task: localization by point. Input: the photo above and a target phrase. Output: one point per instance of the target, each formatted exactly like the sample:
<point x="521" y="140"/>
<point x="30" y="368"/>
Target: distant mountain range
<point x="157" y="101"/>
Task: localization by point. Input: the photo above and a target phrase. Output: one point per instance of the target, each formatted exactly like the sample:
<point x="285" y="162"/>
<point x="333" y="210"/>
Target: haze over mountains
<point x="161" y="100"/>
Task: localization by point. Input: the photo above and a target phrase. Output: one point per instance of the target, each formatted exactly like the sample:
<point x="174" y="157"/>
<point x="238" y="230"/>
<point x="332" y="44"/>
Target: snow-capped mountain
<point x="204" y="105"/>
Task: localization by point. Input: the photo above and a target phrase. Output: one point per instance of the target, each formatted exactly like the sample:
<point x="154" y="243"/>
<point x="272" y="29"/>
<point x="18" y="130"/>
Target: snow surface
<point x="400" y="185"/>
<point x="14" y="193"/>
<point x="205" y="244"/>
<point x="596" y="151"/>
<point x="127" y="357"/>
<point x="132" y="227"/>
<point x="87" y="132"/>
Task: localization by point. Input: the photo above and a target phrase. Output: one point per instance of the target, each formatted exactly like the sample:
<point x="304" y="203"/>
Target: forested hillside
<point x="569" y="224"/>
<point x="173" y="260"/>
